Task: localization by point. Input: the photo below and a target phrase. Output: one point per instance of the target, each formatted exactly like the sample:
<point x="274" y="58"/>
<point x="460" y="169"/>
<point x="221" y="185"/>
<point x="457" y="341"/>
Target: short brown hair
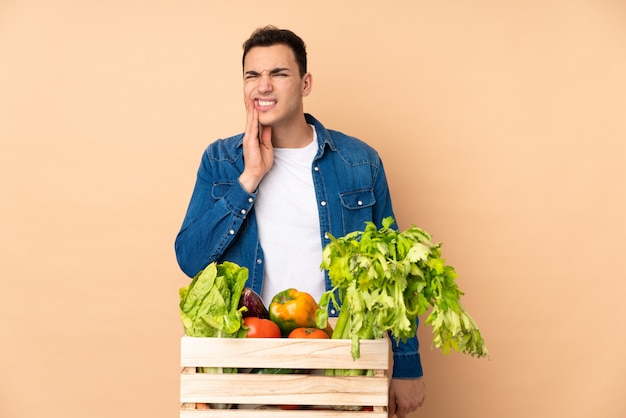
<point x="271" y="35"/>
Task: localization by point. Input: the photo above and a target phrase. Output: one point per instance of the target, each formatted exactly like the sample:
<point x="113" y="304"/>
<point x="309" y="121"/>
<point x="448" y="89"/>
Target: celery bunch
<point x="383" y="280"/>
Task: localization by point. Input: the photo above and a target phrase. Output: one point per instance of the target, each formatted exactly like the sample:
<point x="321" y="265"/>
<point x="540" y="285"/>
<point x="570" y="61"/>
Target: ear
<point x="307" y="84"/>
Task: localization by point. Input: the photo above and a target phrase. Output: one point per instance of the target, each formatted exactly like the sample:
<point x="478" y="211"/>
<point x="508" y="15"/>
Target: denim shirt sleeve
<point x="406" y="359"/>
<point x="216" y="212"/>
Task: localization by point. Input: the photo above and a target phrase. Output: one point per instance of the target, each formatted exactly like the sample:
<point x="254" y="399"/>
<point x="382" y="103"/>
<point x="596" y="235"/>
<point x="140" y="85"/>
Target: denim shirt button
<point x="359" y="203"/>
<point x="231" y="232"/>
<point x="250" y="200"/>
<point x="243" y="211"/>
<point x="332" y="311"/>
<point x="316" y="168"/>
<point x="259" y="261"/>
<point x="323" y="203"/>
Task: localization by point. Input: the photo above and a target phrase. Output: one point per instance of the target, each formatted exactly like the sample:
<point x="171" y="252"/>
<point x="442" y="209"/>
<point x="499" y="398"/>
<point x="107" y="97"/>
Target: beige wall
<point x="503" y="129"/>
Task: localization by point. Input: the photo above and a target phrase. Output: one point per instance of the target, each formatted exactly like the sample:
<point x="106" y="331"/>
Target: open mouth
<point x="265" y="103"/>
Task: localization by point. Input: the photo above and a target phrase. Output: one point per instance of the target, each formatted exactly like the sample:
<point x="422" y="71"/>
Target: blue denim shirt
<point x="220" y="225"/>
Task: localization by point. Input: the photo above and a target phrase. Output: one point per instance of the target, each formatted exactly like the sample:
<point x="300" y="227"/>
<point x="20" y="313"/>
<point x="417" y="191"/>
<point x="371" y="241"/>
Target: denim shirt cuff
<point x="407" y="363"/>
<point x="407" y="366"/>
<point x="239" y="201"/>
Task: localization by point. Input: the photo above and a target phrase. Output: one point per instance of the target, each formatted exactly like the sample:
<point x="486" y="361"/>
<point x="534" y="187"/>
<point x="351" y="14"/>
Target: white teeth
<point x="266" y="102"/>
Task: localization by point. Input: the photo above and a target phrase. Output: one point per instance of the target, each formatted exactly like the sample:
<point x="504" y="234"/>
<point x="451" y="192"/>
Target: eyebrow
<point x="272" y="71"/>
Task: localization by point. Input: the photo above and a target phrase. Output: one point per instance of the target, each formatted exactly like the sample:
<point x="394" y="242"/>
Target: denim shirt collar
<point x="323" y="136"/>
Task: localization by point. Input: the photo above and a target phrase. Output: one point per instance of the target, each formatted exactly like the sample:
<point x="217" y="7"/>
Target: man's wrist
<point x="248" y="183"/>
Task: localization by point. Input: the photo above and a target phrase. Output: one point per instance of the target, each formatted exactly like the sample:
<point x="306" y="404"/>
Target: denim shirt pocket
<point x="358" y="199"/>
<point x="357" y="207"/>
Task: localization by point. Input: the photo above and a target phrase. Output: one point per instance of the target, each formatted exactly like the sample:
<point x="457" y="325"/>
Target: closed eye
<point x="280" y="72"/>
<point x="276" y="72"/>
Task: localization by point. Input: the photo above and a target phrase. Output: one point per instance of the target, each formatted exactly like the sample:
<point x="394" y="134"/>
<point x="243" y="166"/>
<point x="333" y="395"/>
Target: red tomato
<point x="261" y="328"/>
<point x="290" y="407"/>
<point x="308" y="333"/>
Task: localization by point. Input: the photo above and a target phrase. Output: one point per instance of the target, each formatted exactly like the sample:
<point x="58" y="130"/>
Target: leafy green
<point x="383" y="280"/>
<point x="209" y="307"/>
<point x="209" y="304"/>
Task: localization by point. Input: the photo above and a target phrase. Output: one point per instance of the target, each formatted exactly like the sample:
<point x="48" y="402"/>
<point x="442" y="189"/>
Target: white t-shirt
<point x="288" y="223"/>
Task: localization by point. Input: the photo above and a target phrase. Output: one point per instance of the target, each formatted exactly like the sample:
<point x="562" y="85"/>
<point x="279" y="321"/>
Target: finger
<point x="401" y="412"/>
<point x="249" y="105"/>
<point x="392" y="410"/>
<point x="391" y="401"/>
<point x="266" y="136"/>
<point x="252" y="119"/>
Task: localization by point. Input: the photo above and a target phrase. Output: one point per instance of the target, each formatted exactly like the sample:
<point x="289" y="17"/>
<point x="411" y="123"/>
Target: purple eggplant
<point x="253" y="302"/>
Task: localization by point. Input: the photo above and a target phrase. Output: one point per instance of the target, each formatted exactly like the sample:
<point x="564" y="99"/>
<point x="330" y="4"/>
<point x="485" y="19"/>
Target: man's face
<point x="271" y="79"/>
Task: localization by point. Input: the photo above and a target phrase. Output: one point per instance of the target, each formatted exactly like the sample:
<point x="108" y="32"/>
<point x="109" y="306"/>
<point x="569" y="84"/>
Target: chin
<point x="267" y="121"/>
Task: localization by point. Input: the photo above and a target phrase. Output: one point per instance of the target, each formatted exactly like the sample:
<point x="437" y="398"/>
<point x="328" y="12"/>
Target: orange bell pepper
<point x="291" y="309"/>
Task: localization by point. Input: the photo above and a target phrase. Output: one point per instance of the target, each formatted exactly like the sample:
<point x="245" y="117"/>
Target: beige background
<point x="503" y="129"/>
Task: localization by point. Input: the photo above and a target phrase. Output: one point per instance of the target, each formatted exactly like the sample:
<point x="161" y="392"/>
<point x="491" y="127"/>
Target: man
<point x="265" y="199"/>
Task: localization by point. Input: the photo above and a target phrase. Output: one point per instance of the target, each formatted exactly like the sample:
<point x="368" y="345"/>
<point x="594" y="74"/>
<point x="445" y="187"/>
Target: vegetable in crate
<point x="385" y="280"/>
<point x="209" y="307"/>
<point x="291" y="309"/>
<point x="313" y="333"/>
<point x="260" y="328"/>
<point x="254" y="304"/>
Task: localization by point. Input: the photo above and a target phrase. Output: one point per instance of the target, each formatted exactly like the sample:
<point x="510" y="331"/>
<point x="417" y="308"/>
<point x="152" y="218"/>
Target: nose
<point x="265" y="82"/>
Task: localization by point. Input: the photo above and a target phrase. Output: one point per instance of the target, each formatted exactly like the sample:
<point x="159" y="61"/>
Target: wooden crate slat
<point x="273" y="413"/>
<point x="284" y="389"/>
<point x="290" y="353"/>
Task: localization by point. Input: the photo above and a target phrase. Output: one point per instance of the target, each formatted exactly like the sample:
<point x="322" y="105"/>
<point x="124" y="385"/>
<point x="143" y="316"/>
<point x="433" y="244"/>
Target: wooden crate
<point x="258" y="394"/>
